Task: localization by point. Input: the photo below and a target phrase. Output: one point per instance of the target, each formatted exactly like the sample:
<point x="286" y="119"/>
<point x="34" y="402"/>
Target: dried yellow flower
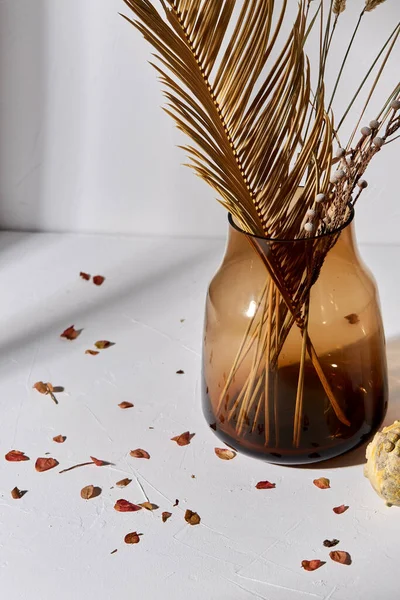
<point x="371" y="4"/>
<point x="338" y="6"/>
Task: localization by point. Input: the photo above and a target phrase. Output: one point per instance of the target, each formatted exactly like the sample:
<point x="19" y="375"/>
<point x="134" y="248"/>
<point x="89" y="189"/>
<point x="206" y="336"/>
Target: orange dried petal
<point x="132" y="538"/>
<point x="16" y="493"/>
<point x="59" y="439"/>
<point x="70" y="333"/>
<point x="224" y="454"/>
<point x="103" y="344"/>
<point x="45" y="464"/>
<point x="123" y="482"/>
<point x="139" y="453"/>
<point x="92" y="352"/>
<point x="311" y="565"/>
<point x="41" y="387"/>
<point x="149" y="506"/>
<point x="322" y="483"/>
<point x="192" y="517"/>
<point x="183" y="439"/>
<point x="125" y="405"/>
<point x="341" y="557"/>
<point x="16" y="456"/>
<point x="98" y="462"/>
<point x="87" y="492"/>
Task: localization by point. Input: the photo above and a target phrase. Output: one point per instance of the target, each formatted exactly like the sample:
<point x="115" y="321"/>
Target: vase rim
<point x="348" y="221"/>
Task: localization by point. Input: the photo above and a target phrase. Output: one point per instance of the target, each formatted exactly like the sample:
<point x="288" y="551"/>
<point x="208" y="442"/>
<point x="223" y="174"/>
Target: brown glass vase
<point x="294" y="363"/>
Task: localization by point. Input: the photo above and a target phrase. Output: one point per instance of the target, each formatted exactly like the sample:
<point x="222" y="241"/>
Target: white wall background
<point x="85" y="147"/>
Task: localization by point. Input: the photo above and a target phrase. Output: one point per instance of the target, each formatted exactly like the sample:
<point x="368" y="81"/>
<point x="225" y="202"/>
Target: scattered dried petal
<point x="16" y="456"/>
<point x="98" y="279"/>
<point x="16" y="493"/>
<point x="149" y="506"/>
<point x="114" y="551"/>
<point x="60" y="439"/>
<point x="165" y="516"/>
<point x="192" y="518"/>
<point x="139" y="453"/>
<point x="265" y="485"/>
<point x="87" y="492"/>
<point x="70" y="333"/>
<point x="311" y="565"/>
<point x="132" y="538"/>
<point x="45" y="464"/>
<point x="331" y="543"/>
<point x="322" y="483"/>
<point x="224" y="454"/>
<point x="353" y="319"/>
<point x="85" y="276"/>
<point x="125" y="405"/>
<point x="340" y="509"/>
<point x="183" y="439"/>
<point x="92" y="352"/>
<point x="125" y="506"/>
<point x="123" y="482"/>
<point x="98" y="462"/>
<point x="180" y="372"/>
<point x="341" y="557"/>
<point x="103" y="344"/>
<point x="46" y="388"/>
<point x="176" y="502"/>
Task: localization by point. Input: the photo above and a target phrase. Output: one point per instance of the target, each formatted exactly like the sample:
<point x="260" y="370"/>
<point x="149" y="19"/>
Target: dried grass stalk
<point x="339" y="6"/>
<point x="371" y="4"/>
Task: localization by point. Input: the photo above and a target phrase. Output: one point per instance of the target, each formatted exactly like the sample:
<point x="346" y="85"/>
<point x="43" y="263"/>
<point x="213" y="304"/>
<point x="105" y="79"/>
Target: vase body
<point x="301" y="389"/>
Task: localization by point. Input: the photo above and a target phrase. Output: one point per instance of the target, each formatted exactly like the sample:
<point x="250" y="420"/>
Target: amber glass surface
<point x="273" y="420"/>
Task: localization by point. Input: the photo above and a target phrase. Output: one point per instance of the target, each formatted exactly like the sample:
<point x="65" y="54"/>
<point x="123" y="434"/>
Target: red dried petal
<point x="165" y="516"/>
<point x="265" y="485"/>
<point x="70" y="333"/>
<point x="98" y="462"/>
<point x="16" y="456"/>
<point x="139" y="453"/>
<point x="340" y="509"/>
<point x="311" y="565"/>
<point x="103" y="344"/>
<point x="98" y="279"/>
<point x="224" y="454"/>
<point x="183" y="439"/>
<point x="60" y="439"/>
<point x="45" y="464"/>
<point x="322" y="483"/>
<point x="125" y="506"/>
<point x="92" y="352"/>
<point x="85" y="276"/>
<point x="125" y="405"/>
<point x="341" y="557"/>
<point x="132" y="538"/>
<point x="192" y="517"/>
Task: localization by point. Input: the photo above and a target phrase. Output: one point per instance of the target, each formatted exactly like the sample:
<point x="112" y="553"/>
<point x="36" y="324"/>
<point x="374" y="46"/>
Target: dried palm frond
<point x="247" y="128"/>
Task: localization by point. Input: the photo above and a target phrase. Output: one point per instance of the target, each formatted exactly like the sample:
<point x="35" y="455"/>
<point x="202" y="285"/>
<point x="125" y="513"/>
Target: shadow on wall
<point x="22" y="110"/>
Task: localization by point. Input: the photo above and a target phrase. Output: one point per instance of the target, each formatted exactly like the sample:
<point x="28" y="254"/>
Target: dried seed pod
<point x="395" y="104"/>
<point x="378" y="142"/>
<point x="366" y="131"/>
<point x="362" y="184"/>
<point x="374" y="124"/>
<point x="383" y="464"/>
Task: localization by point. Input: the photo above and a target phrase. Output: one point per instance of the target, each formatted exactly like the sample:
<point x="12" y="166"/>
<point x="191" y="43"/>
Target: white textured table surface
<point x="250" y="542"/>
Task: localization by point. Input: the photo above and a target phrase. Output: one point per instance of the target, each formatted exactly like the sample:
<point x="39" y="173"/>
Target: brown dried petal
<point x="16" y="493"/>
<point x="139" y="453"/>
<point x="41" y="387"/>
<point x="103" y="344"/>
<point x="85" y="276"/>
<point x="149" y="506"/>
<point x="92" y="352"/>
<point x="125" y="506"/>
<point x="192" y="518"/>
<point x="123" y="482"/>
<point x="125" y="405"/>
<point x="265" y="485"/>
<point x="98" y="279"/>
<point x="165" y="516"/>
<point x="70" y="333"/>
<point x="312" y="565"/>
<point x="224" y="454"/>
<point x="340" y="509"/>
<point x="87" y="492"/>
<point x="353" y="319"/>
<point x="183" y="439"/>
<point x="331" y="543"/>
<point x="16" y="456"/>
<point x="60" y="439"/>
<point x="45" y="464"/>
<point x="341" y="557"/>
<point x="322" y="483"/>
<point x="132" y="538"/>
<point x="180" y="372"/>
<point x="176" y="502"/>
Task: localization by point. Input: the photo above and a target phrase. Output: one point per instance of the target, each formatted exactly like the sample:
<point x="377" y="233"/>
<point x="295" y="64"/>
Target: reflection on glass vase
<point x="294" y="363"/>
